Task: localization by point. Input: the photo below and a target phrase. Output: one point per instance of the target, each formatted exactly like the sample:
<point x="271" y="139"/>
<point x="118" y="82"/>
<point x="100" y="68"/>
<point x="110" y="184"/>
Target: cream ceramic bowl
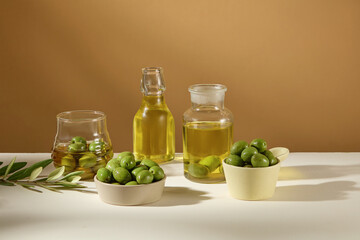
<point x="254" y="183"/>
<point x="130" y="195"/>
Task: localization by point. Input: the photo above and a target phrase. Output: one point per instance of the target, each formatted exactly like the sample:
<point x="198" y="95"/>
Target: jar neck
<point x="208" y="101"/>
<point x="208" y="106"/>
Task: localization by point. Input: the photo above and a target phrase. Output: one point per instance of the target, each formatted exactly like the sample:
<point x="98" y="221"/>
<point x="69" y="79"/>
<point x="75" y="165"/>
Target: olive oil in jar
<point x="87" y="161"/>
<point x="153" y="125"/>
<point x="203" y="142"/>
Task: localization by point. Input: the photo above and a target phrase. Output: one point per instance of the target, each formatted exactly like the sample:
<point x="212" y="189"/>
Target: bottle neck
<point x="152" y="82"/>
<point x="154" y="100"/>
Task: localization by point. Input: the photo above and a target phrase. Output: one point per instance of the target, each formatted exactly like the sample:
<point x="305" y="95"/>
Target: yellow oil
<point x="202" y="139"/>
<point x="154" y="131"/>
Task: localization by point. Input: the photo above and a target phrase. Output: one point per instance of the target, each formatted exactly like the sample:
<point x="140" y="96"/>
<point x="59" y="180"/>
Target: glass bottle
<point x="153" y="126"/>
<point x="207" y="133"/>
<point x="82" y="142"/>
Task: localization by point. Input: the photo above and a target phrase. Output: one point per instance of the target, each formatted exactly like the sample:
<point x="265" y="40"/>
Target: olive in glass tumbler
<point x="77" y="133"/>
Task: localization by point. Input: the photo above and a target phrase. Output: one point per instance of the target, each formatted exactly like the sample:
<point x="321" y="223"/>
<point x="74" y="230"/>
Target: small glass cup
<point x="82" y="142"/>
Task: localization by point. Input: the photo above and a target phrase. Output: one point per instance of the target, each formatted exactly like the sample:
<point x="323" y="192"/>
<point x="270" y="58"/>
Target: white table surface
<point x="317" y="197"/>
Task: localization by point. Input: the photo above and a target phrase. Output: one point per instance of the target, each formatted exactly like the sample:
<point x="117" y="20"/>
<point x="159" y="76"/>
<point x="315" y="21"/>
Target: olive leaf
<point x="49" y="188"/>
<point x="6" y="183"/>
<point x="56" y="173"/>
<point x="31" y="188"/>
<point x="73" y="179"/>
<point x="34" y="174"/>
<point x="9" y="167"/>
<point x="66" y="177"/>
<point x="16" y="166"/>
<point x="1" y="163"/>
<point x="26" y="185"/>
<point x="53" y="182"/>
<point x="27" y="171"/>
<point x="69" y="184"/>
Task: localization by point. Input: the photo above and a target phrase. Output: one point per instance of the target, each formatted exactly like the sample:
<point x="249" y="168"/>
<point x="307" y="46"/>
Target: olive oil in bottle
<point x="153" y="126"/>
<point x="203" y="140"/>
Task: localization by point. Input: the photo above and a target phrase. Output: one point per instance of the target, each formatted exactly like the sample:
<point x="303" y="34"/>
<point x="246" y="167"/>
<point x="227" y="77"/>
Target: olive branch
<point x="14" y="174"/>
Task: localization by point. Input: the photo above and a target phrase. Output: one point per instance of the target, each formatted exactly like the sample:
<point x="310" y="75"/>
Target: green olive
<point x="247" y="153"/>
<point x="78" y="139"/>
<point x="88" y="160"/>
<point x="112" y="164"/>
<point x="259" y="160"/>
<point x="136" y="170"/>
<point x="273" y="160"/>
<point x="144" y="177"/>
<point x="99" y="164"/>
<point x="132" y="183"/>
<point x="157" y="172"/>
<point x="238" y="147"/>
<point x="128" y="162"/>
<point x="234" y="160"/>
<point x="69" y="162"/>
<point x="149" y="163"/>
<point x="124" y="154"/>
<point x="103" y="175"/>
<point x="97" y="147"/>
<point x="197" y="170"/>
<point x="77" y="147"/>
<point x="259" y="144"/>
<point x="212" y="162"/>
<point x="121" y="175"/>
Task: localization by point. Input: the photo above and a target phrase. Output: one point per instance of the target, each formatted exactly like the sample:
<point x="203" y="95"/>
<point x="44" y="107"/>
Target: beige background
<point x="291" y="67"/>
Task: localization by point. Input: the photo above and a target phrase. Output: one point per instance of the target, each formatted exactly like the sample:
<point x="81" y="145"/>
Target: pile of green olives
<point x="80" y="155"/>
<point x="251" y="155"/>
<point x="78" y="144"/>
<point x="125" y="170"/>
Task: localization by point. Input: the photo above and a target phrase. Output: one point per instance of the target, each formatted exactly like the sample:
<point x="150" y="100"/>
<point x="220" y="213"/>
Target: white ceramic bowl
<point x="254" y="183"/>
<point x="131" y="194"/>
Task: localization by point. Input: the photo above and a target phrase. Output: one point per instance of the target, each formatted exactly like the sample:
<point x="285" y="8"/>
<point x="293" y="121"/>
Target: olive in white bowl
<point x="125" y="181"/>
<point x="251" y="171"/>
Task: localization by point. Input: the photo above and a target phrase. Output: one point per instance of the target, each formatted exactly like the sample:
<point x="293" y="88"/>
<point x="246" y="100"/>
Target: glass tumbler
<point x="207" y="133"/>
<point x="82" y="142"/>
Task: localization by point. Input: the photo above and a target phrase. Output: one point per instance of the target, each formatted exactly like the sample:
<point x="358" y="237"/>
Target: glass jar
<point x="153" y="125"/>
<point x="82" y="142"/>
<point x="207" y="133"/>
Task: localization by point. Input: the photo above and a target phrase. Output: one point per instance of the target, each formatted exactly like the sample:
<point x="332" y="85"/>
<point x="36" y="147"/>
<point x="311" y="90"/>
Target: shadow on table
<point x="175" y="196"/>
<point x="317" y="171"/>
<point x="336" y="190"/>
